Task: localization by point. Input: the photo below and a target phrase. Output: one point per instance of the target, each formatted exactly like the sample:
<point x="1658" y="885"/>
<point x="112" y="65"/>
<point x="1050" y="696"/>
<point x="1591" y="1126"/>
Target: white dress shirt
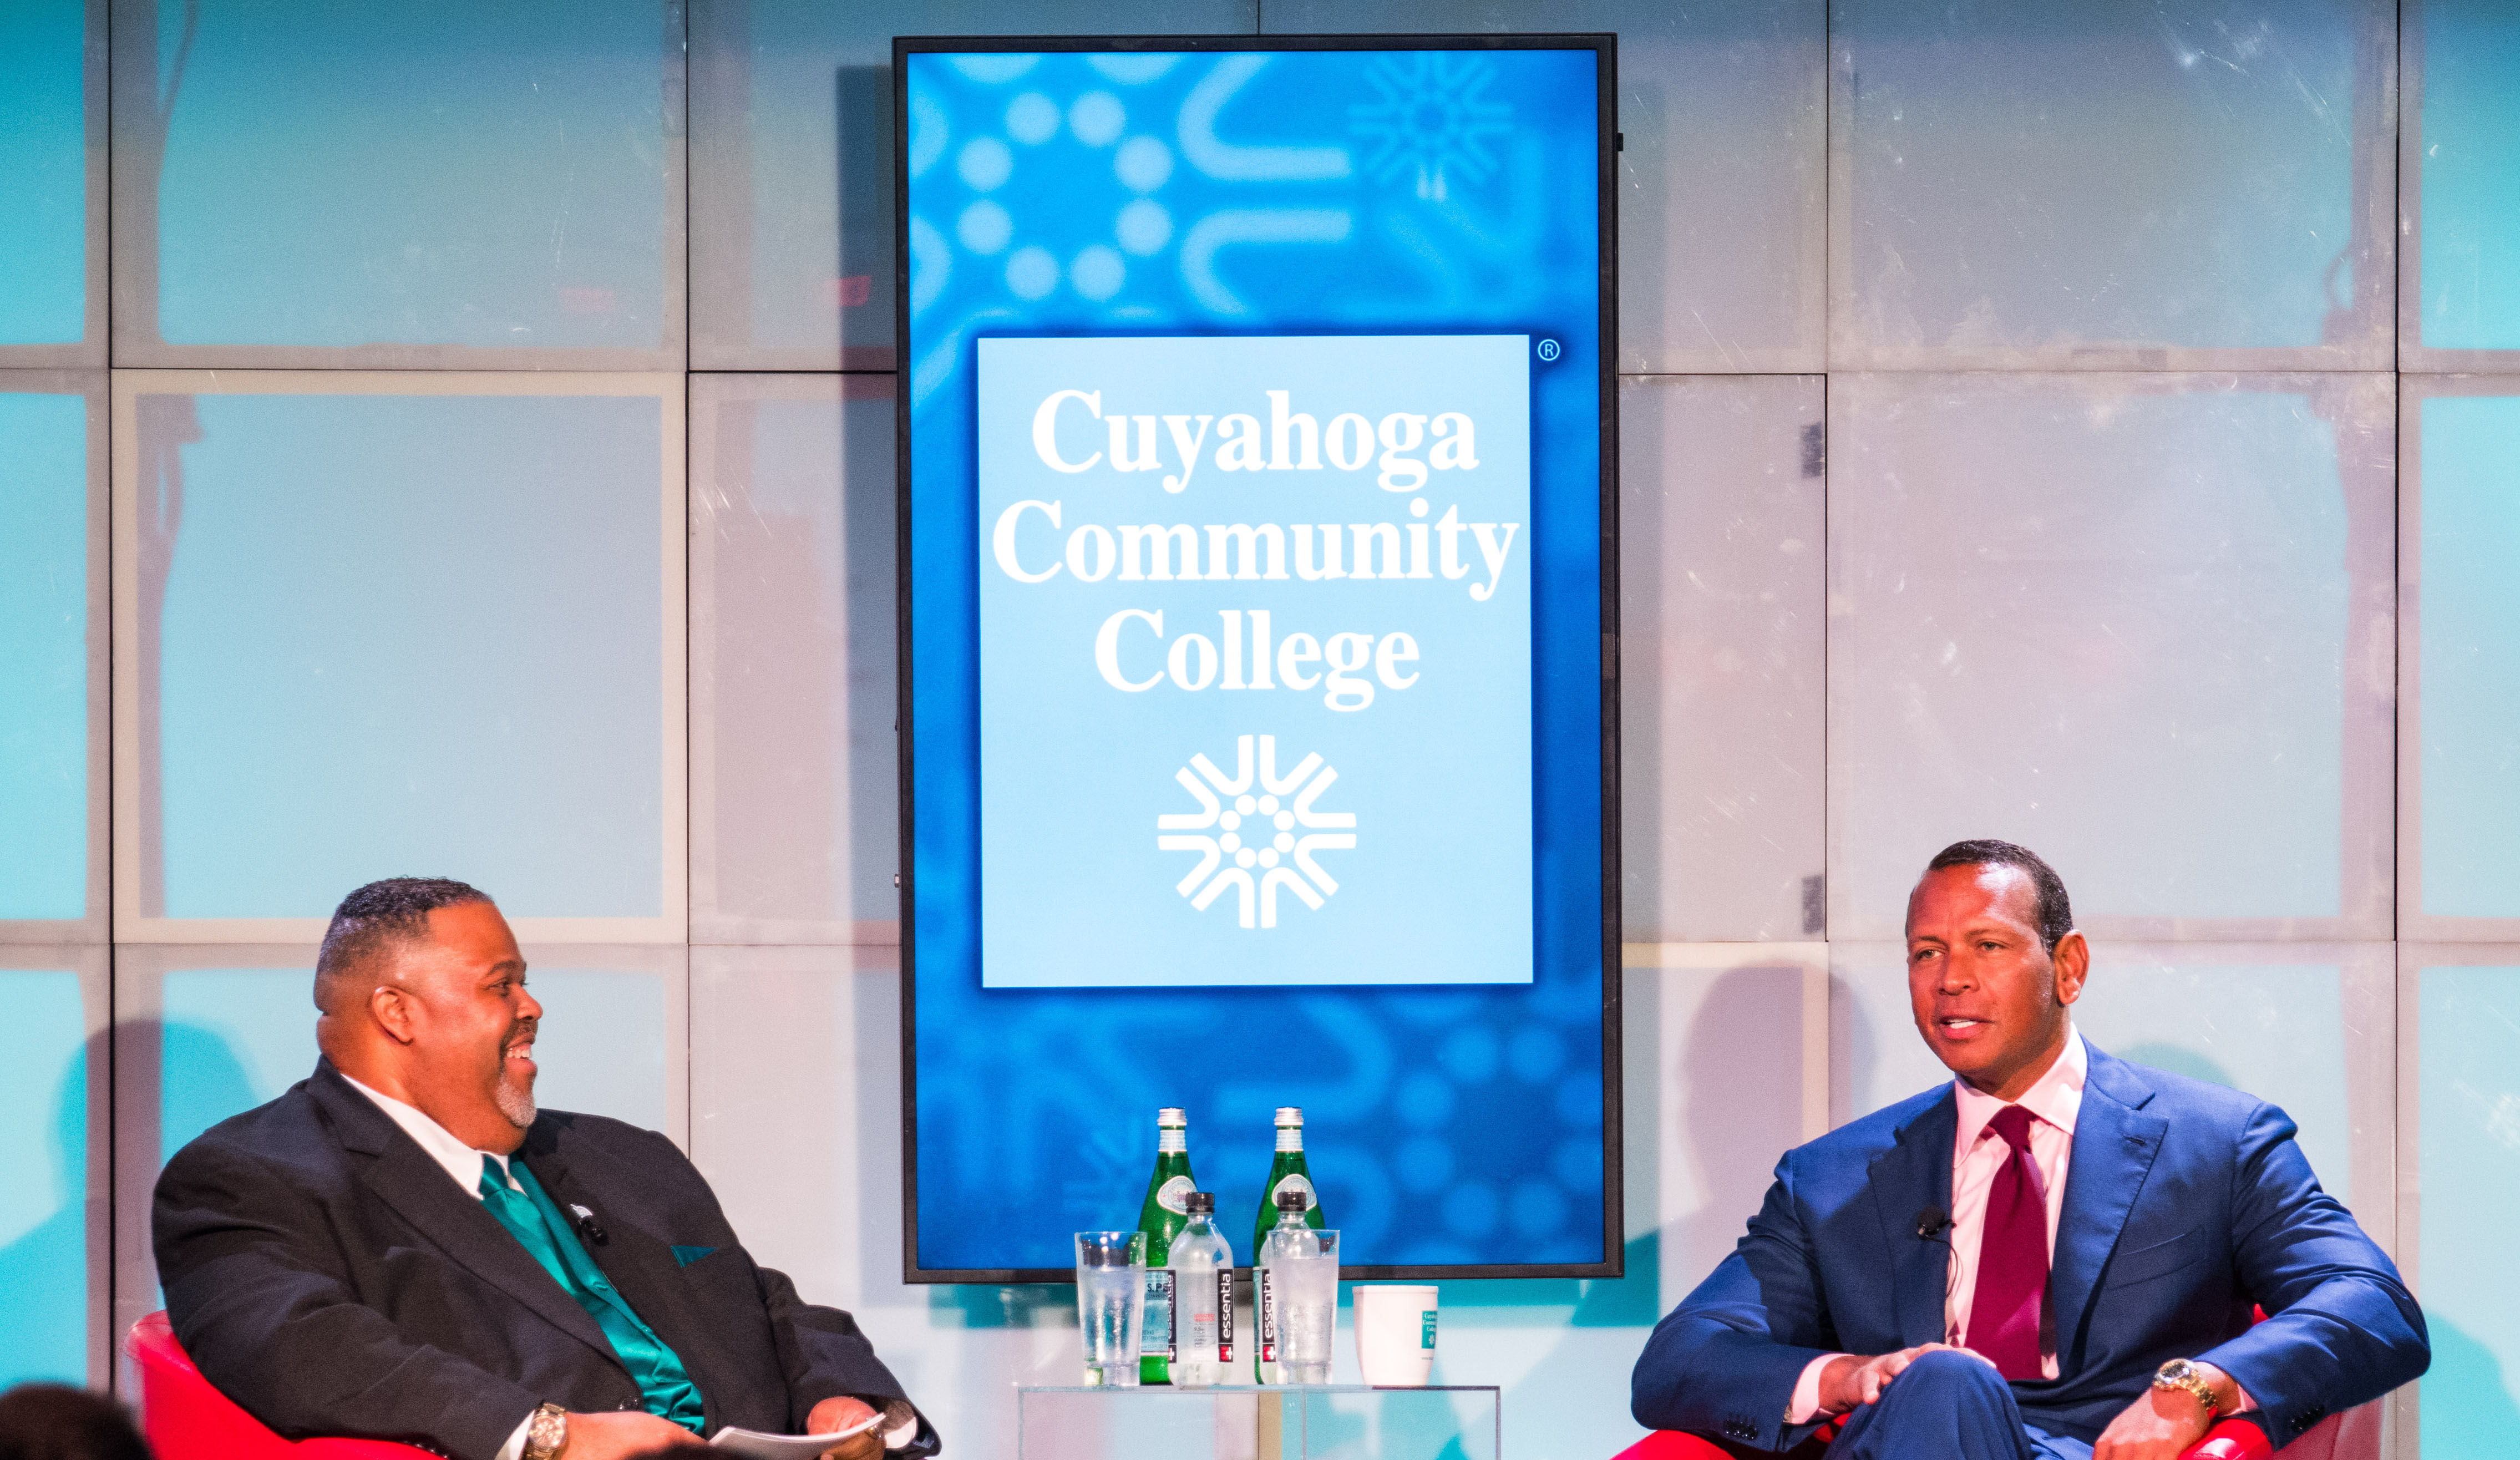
<point x="464" y="1165"/>
<point x="2053" y="1100"/>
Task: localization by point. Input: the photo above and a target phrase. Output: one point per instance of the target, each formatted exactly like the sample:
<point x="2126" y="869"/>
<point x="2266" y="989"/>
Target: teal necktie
<point x="665" y="1387"/>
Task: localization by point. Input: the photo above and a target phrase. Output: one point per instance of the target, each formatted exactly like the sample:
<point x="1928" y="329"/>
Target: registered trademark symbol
<point x="1549" y="350"/>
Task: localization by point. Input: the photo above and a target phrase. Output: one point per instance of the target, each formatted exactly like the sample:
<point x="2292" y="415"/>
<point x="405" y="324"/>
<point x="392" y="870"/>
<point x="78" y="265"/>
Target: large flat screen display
<point x="1258" y="640"/>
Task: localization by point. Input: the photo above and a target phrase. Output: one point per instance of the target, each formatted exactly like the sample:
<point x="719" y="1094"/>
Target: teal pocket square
<point x="685" y="1257"/>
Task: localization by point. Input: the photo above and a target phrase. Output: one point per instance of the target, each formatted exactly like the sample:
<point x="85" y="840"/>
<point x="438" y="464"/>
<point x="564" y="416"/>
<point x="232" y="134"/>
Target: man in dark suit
<point x="402" y="1247"/>
<point x="2054" y="1255"/>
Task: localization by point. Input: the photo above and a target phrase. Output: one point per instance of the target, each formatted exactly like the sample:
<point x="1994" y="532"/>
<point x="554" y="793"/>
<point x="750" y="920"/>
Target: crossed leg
<point x="1948" y="1406"/>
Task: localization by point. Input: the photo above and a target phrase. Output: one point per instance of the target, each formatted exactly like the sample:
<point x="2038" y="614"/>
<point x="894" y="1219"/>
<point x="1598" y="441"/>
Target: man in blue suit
<point x="2053" y="1258"/>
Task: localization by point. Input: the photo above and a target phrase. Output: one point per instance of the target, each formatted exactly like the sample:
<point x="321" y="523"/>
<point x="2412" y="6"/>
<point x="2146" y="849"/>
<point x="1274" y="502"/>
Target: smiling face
<point x="457" y="1008"/>
<point x="1989" y="999"/>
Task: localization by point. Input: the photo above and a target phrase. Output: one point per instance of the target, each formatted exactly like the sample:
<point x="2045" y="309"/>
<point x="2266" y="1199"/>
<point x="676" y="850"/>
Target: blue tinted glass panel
<point x="43" y="174"/>
<point x="43" y="653"/>
<point x="43" y="1203"/>
<point x="2471" y="174"/>
<point x="232" y="1038"/>
<point x="2469" y="1155"/>
<point x="437" y="173"/>
<point x="2471" y="656"/>
<point x="407" y="635"/>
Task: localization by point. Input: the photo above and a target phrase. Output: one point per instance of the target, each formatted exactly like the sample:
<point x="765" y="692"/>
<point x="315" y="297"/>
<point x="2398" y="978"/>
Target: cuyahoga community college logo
<point x="1246" y="831"/>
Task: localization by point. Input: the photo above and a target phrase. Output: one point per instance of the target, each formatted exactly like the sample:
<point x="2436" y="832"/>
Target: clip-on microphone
<point x="1932" y="1222"/>
<point x="588" y="1226"/>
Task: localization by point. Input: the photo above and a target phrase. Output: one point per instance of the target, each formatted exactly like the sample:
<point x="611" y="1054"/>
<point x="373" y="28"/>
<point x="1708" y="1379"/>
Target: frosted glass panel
<point x="430" y="173"/>
<point x="2466" y="175"/>
<point x="791" y="173"/>
<point x="2285" y="1032"/>
<point x="2026" y="181"/>
<point x="43" y="1203"/>
<point x="1721" y="653"/>
<point x="601" y="1048"/>
<point x="43" y="648"/>
<point x="2139" y="623"/>
<point x="2470" y="656"/>
<point x="235" y="1038"/>
<point x="2468" y="1180"/>
<point x="1722" y="213"/>
<point x="796" y="833"/>
<point x="401" y="634"/>
<point x="43" y="179"/>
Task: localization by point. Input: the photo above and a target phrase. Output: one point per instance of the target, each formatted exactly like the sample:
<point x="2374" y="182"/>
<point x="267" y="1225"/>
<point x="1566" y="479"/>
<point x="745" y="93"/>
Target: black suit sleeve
<point x="822" y="1352"/>
<point x="256" y="1296"/>
<point x="826" y="1355"/>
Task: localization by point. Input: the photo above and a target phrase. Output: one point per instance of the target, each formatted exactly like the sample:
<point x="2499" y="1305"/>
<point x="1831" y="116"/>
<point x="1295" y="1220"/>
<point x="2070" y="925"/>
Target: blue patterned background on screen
<point x="1263" y="193"/>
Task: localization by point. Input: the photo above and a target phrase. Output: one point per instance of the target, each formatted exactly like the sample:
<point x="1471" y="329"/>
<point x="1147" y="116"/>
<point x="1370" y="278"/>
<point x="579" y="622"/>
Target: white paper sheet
<point x="760" y="1446"/>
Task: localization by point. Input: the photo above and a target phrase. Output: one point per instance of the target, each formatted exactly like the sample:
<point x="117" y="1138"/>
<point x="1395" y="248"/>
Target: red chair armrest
<point x="1672" y="1445"/>
<point x="2231" y="1439"/>
<point x="184" y="1416"/>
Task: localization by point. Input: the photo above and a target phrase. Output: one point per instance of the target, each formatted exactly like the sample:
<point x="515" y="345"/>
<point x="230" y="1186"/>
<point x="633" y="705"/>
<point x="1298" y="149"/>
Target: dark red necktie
<point x="2012" y="1256"/>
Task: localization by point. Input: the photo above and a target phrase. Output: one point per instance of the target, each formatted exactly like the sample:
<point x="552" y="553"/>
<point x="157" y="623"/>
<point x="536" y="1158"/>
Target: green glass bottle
<point x="1161" y="1216"/>
<point x="1286" y="1170"/>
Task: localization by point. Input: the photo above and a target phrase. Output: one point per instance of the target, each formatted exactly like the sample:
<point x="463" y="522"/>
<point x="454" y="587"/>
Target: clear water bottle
<point x="1202" y="1267"/>
<point x="1286" y="1240"/>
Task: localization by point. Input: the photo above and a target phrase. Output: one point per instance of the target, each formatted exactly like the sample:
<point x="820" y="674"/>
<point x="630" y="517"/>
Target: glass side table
<point x="1296" y="1422"/>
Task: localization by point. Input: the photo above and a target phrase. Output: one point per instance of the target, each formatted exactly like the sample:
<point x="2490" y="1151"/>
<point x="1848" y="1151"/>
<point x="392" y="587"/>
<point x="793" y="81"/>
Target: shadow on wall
<point x="2177" y="1060"/>
<point x="2468" y="1411"/>
<point x="173" y="1082"/>
<point x="1742" y="1112"/>
<point x="46" y="1272"/>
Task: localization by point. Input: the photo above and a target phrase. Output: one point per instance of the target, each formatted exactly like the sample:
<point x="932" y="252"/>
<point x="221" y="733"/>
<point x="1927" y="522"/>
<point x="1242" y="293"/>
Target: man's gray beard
<point x="515" y="1102"/>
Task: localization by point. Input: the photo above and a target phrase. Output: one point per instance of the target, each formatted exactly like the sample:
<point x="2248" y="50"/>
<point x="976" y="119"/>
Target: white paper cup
<point x="1395" y="1334"/>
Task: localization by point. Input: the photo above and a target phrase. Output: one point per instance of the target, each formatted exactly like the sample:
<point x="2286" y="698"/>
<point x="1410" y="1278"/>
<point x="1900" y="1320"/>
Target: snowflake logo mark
<point x="1267" y="809"/>
<point x="1432" y="119"/>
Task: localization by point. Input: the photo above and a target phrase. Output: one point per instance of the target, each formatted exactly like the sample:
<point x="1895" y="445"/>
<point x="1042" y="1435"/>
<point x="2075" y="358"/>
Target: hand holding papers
<point x="760" y="1446"/>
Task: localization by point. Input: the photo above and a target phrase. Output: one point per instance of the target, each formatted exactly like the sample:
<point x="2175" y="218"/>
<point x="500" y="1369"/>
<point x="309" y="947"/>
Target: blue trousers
<point x="1948" y="1406"/>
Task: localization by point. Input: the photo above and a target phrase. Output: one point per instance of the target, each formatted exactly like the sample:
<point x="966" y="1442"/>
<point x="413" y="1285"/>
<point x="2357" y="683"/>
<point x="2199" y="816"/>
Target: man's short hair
<point x="2055" y="910"/>
<point x="394" y="910"/>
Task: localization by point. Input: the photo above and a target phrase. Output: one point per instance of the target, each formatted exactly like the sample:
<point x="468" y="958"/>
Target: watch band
<point x="2180" y="1374"/>
<point x="546" y="1433"/>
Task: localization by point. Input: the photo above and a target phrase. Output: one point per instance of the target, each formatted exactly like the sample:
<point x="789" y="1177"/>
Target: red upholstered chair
<point x="2231" y="1439"/>
<point x="2355" y="1433"/>
<point x="187" y="1418"/>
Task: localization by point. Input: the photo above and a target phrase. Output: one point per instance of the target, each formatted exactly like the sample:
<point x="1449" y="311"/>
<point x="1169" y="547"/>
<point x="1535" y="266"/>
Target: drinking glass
<point x="1303" y="1269"/>
<point x="1111" y="1304"/>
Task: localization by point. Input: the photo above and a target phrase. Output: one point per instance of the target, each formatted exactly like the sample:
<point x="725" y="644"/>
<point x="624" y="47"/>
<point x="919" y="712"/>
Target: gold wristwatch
<point x="2182" y="1374"/>
<point x="546" y="1433"/>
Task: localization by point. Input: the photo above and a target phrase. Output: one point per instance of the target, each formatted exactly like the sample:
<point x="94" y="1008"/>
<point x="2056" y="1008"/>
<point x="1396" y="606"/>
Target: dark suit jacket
<point x="2184" y="1204"/>
<point x="325" y="1274"/>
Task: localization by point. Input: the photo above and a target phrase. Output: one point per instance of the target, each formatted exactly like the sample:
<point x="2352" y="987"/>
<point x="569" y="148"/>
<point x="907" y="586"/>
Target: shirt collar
<point x="2055" y="1097"/>
<point x="461" y="1161"/>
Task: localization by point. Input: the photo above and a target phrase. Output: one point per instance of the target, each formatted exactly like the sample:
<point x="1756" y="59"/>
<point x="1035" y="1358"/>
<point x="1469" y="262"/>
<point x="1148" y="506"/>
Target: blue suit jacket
<point x="2184" y="1204"/>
